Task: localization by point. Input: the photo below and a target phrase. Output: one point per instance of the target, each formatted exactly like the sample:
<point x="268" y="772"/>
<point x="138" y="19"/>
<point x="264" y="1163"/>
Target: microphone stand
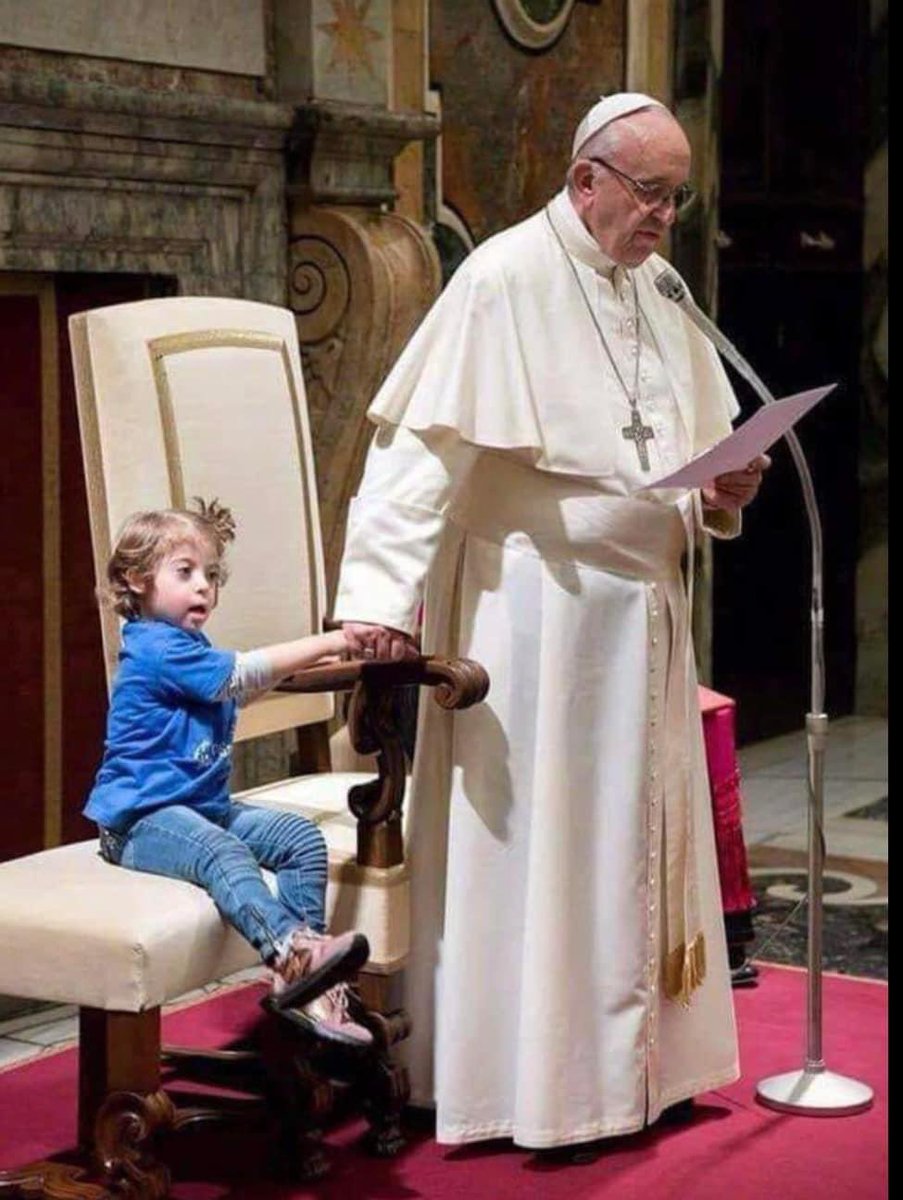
<point x="814" y="1090"/>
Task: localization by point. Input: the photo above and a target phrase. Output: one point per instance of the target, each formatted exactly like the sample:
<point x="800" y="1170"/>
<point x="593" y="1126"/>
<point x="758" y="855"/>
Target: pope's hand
<point x="378" y="641"/>
<point x="734" y="490"/>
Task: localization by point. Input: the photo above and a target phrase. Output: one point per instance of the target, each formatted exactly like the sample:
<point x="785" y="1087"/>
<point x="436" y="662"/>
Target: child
<point x="161" y="796"/>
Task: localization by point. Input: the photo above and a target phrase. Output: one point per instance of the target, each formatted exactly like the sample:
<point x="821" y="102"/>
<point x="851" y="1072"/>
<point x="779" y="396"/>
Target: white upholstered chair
<point x="178" y="398"/>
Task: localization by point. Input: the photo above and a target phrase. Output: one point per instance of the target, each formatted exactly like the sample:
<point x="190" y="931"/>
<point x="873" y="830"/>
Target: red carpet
<point x="732" y="1148"/>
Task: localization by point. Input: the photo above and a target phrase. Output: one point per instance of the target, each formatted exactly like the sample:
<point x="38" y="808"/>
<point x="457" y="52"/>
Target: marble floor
<point x="775" y="826"/>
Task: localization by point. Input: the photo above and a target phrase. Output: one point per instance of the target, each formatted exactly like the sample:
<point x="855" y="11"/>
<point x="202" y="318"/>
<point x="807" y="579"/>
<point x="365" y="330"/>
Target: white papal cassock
<point x="553" y="870"/>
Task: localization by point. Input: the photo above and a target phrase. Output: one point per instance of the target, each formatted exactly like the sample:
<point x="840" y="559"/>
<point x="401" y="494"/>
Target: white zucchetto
<point x="608" y="109"/>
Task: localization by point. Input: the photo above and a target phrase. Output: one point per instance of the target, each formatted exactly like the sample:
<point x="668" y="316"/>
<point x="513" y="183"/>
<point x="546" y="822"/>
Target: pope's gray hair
<point x="604" y="143"/>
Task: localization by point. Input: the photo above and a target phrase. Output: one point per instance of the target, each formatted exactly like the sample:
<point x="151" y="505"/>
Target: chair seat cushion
<point x="76" y="930"/>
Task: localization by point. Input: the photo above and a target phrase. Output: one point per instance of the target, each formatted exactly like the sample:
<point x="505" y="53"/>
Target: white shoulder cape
<point x="508" y="358"/>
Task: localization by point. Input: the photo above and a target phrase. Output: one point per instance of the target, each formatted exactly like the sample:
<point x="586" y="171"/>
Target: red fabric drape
<point x="718" y="724"/>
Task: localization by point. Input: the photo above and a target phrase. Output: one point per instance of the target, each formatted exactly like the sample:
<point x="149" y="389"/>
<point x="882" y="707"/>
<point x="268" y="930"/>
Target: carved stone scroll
<point x="359" y="282"/>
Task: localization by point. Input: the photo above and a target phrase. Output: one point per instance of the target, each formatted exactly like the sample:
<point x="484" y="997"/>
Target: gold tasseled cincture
<point x="685" y="970"/>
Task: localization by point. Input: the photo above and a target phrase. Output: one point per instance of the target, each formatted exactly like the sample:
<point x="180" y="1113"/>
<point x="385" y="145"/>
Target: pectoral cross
<point x="639" y="434"/>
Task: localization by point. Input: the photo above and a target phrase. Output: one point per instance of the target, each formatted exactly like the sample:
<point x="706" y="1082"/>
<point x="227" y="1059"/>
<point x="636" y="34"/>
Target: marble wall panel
<point x="214" y="35"/>
<point x="508" y="114"/>
<point x="74" y="72"/>
<point x="352" y="46"/>
<point x="144" y="190"/>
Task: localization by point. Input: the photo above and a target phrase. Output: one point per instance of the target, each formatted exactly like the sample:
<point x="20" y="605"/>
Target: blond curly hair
<point x="147" y="537"/>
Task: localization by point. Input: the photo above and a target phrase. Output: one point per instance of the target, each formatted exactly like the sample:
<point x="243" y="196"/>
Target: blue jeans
<point x="225" y="858"/>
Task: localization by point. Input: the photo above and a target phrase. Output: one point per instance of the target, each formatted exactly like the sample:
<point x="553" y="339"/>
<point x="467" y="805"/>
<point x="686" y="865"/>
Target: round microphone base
<point x="815" y="1094"/>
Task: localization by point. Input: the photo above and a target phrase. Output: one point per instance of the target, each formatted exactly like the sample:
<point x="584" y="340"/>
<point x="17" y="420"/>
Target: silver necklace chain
<point x="636" y="431"/>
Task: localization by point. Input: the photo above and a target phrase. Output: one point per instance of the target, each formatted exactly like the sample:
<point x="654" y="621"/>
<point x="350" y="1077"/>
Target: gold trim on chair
<point x="180" y="343"/>
<point x="52" y="569"/>
<point x="92" y="454"/>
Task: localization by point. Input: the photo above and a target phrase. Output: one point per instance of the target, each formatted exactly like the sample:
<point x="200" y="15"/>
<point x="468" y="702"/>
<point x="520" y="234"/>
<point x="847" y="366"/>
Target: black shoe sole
<point x="310" y="986"/>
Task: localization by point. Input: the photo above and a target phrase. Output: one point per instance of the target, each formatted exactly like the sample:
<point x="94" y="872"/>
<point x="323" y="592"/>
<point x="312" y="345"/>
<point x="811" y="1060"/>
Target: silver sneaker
<point x="329" y="1017"/>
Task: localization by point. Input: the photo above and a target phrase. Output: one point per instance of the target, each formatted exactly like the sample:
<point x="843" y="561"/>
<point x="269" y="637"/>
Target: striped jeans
<point x="225" y="858"/>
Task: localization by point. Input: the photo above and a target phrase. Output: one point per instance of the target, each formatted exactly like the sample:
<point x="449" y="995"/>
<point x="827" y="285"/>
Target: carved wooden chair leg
<point x="299" y="1097"/>
<point x="385" y="1086"/>
<point x="388" y="1092"/>
<point x="51" y="1181"/>
<point x="126" y="1138"/>
<point x="21" y="1185"/>
<point x="301" y="1122"/>
<point x="122" y="1108"/>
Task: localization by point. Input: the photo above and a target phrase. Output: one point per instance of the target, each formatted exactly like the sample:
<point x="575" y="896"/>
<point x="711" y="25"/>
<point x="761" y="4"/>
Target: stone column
<point x="360" y="275"/>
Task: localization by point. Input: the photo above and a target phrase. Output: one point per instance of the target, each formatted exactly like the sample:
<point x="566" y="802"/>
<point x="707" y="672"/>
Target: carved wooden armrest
<point x="377" y="805"/>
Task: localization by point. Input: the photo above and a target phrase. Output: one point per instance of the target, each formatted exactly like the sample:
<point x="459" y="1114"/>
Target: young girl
<point x="161" y="797"/>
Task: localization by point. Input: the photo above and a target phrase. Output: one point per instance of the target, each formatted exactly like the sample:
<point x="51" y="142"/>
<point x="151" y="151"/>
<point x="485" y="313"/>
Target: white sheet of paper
<point x="747" y="441"/>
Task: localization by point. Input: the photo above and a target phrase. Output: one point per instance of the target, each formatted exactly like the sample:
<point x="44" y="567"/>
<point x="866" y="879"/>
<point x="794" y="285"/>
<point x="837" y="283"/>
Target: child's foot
<point x="312" y="963"/>
<point x="329" y="1017"/>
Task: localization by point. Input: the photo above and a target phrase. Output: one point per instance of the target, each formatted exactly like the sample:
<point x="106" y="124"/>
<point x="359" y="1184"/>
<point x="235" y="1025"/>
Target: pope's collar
<point x="580" y="242"/>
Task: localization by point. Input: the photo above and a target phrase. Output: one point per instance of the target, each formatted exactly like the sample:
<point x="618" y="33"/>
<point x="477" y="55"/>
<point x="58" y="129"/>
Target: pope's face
<point x="653" y="151"/>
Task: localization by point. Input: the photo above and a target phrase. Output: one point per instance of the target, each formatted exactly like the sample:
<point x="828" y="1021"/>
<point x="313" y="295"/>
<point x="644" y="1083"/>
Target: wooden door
<point x="51" y="733"/>
<point x="790" y="297"/>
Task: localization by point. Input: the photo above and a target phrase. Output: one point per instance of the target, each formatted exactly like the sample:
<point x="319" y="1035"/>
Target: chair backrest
<point x="198" y="396"/>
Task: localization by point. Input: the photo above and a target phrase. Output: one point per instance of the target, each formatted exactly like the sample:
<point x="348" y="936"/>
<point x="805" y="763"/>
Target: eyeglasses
<point x="653" y="195"/>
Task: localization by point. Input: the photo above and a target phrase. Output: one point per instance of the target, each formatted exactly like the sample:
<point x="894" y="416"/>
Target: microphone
<point x="670" y="285"/>
<point x="791" y="1092"/>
